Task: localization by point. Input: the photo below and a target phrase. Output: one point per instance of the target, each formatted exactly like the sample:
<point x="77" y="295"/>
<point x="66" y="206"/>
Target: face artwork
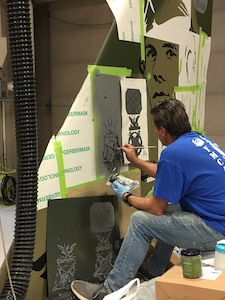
<point x="161" y="69"/>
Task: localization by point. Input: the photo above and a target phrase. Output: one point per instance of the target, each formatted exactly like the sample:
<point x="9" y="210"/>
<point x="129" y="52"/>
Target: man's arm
<point x="146" y="167"/>
<point x="152" y="205"/>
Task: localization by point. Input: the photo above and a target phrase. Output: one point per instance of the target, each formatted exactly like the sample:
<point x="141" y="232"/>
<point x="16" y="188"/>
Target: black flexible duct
<point x="20" y="40"/>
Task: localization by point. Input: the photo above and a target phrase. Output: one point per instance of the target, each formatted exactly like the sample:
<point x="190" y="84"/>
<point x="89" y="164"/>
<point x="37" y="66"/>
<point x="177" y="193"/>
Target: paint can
<point x="191" y="263"/>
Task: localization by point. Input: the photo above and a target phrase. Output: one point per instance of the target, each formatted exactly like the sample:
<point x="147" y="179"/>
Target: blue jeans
<point x="174" y="228"/>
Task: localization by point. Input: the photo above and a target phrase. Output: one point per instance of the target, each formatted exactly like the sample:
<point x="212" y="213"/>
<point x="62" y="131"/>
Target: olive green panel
<point x="119" y="53"/>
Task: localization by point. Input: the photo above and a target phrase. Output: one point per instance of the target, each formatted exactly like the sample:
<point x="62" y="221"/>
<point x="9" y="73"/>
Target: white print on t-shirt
<point x="214" y="146"/>
<point x="199" y="142"/>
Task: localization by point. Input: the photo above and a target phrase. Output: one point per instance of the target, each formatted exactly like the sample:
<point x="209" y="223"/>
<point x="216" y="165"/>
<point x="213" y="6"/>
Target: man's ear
<point x="142" y="66"/>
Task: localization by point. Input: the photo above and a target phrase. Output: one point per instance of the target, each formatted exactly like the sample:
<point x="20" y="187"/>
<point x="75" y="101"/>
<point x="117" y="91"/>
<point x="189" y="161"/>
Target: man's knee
<point x="139" y="217"/>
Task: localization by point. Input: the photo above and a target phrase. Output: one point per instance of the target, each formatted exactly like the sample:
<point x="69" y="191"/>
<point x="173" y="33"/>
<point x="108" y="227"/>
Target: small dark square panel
<point x="133" y="101"/>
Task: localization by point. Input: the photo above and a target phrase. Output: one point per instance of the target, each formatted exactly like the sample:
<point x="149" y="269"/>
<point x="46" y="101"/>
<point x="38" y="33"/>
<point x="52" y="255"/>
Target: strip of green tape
<point x="108" y="70"/>
<point x="202" y="37"/>
<point x="198" y="58"/>
<point x="180" y="65"/>
<point x="71" y="188"/>
<point x="60" y="164"/>
<point x="142" y="40"/>
<point x="191" y="88"/>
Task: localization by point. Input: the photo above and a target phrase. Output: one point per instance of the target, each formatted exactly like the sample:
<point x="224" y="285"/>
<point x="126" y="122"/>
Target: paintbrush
<point x="141" y="147"/>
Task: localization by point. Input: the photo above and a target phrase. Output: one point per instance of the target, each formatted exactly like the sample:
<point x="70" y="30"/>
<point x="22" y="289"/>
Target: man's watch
<point x="125" y="199"/>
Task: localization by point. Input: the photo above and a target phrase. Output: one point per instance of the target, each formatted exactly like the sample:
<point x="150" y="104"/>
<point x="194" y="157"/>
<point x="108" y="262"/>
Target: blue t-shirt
<point x="191" y="172"/>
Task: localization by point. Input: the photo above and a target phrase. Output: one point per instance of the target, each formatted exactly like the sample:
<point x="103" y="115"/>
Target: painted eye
<point x="170" y="53"/>
<point x="151" y="53"/>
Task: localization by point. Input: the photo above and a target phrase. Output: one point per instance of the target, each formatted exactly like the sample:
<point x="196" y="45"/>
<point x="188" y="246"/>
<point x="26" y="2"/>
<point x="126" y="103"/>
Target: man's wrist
<point x="125" y="198"/>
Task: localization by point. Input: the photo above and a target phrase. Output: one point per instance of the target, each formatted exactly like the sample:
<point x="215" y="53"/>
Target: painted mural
<point x="155" y="50"/>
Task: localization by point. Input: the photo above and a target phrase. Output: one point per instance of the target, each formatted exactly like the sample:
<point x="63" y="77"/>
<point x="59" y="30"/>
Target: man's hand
<point x="119" y="189"/>
<point x="130" y="152"/>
